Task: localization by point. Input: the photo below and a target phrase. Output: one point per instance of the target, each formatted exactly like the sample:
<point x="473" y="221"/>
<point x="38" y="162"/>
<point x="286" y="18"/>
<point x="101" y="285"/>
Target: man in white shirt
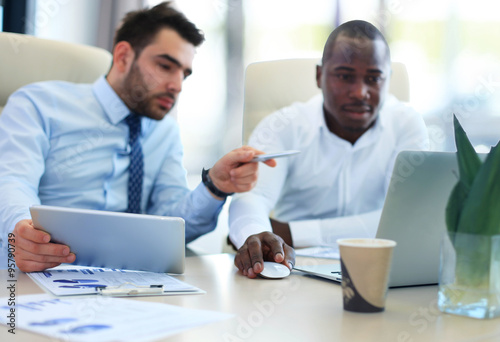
<point x="348" y="136"/>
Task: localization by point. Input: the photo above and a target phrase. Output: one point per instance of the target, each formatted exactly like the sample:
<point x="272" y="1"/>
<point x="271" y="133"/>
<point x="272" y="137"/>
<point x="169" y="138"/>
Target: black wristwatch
<point x="205" y="178"/>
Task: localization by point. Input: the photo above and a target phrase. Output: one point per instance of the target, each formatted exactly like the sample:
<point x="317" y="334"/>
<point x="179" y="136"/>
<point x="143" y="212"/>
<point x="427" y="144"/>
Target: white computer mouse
<point x="273" y="270"/>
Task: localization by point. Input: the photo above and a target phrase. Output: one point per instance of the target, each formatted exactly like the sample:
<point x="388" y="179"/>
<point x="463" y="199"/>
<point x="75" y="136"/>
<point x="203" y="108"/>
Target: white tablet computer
<point x="116" y="240"/>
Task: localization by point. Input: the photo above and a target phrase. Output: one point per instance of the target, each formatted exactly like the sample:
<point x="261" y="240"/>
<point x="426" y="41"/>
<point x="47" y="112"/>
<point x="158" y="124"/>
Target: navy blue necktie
<point x="136" y="167"/>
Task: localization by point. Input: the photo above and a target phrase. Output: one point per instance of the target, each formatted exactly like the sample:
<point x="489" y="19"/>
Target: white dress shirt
<point x="332" y="189"/>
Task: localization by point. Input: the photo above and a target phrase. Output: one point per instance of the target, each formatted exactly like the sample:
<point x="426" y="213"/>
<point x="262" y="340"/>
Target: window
<point x="13" y="14"/>
<point x="1" y="16"/>
<point x="454" y="66"/>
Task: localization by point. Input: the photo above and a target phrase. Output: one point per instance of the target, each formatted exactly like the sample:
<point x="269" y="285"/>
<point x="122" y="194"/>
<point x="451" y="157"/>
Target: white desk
<point x="297" y="308"/>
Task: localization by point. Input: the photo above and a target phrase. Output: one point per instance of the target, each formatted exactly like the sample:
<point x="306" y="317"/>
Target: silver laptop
<point x="413" y="215"/>
<point x="116" y="240"/>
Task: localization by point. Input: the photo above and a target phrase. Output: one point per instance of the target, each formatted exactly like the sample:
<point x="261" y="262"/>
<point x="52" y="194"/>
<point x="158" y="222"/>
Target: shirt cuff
<point x="204" y="203"/>
<point x="306" y="233"/>
<point x="238" y="238"/>
<point x="202" y="189"/>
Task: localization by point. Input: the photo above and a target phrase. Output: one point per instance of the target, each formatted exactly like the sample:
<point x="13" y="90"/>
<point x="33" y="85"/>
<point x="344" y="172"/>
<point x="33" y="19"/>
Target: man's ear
<point x="123" y="57"/>
<point x="318" y="75"/>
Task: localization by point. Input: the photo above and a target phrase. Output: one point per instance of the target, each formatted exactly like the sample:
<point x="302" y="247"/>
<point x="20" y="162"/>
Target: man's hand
<point x="34" y="252"/>
<point x="234" y="172"/>
<point x="258" y="248"/>
<point x="282" y="229"/>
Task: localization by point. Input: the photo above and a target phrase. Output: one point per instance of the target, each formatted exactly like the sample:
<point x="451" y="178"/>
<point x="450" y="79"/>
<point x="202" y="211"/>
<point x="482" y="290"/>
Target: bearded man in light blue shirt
<point x="68" y="144"/>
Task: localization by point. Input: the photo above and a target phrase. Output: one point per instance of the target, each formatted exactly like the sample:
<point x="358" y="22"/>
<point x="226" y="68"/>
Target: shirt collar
<point x="116" y="110"/>
<point x="113" y="106"/>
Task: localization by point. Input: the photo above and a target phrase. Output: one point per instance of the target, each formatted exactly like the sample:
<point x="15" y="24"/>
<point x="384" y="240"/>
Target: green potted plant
<point x="470" y="259"/>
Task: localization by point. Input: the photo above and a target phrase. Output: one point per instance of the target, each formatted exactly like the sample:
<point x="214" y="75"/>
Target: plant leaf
<point x="454" y="207"/>
<point x="468" y="165"/>
<point x="467" y="158"/>
<point x="481" y="209"/>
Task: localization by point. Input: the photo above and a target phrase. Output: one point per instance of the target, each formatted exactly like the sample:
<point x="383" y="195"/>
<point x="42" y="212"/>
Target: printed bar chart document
<point x="77" y="280"/>
<point x="102" y="318"/>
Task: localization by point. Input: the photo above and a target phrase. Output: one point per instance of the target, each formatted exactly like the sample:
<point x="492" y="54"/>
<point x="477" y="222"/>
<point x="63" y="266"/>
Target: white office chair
<point x="27" y="59"/>
<point x="272" y="85"/>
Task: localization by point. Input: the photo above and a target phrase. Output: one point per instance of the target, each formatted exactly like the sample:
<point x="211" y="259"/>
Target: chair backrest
<point x="27" y="59"/>
<point x="272" y="85"/>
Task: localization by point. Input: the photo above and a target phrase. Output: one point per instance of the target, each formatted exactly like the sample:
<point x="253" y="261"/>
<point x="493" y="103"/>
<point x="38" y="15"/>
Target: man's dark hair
<point x="353" y="29"/>
<point x="139" y="28"/>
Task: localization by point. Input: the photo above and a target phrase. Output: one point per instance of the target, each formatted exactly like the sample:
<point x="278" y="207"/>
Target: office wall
<point x="66" y="20"/>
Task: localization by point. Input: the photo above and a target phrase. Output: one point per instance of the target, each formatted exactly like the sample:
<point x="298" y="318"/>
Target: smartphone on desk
<point x="267" y="156"/>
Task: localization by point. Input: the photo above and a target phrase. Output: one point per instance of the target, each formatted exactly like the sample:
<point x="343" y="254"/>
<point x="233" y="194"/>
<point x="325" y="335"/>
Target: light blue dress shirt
<point x="66" y="144"/>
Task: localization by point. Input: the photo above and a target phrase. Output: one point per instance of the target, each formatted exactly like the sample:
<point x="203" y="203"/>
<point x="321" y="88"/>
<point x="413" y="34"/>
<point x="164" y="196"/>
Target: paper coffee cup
<point x="366" y="264"/>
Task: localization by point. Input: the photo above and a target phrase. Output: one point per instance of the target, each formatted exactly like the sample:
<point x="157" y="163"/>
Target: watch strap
<point x="207" y="181"/>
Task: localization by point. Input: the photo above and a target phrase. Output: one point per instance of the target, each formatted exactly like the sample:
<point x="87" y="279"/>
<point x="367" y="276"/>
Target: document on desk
<point x="319" y="252"/>
<point x="68" y="280"/>
<point x="101" y="318"/>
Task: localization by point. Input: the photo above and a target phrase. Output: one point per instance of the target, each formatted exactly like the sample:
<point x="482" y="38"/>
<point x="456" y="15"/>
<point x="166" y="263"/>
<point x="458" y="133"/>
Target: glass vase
<point x="469" y="276"/>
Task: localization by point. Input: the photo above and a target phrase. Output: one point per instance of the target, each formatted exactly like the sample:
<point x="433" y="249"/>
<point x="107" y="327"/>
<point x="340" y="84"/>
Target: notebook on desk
<point x="413" y="215"/>
<point x="116" y="240"/>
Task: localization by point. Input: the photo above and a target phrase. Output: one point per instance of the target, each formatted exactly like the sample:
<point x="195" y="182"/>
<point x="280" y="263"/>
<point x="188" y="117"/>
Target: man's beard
<point x="136" y="95"/>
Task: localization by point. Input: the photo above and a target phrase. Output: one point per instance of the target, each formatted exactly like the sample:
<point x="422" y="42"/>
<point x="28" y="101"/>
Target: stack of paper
<point x="319" y="252"/>
<point x="102" y="318"/>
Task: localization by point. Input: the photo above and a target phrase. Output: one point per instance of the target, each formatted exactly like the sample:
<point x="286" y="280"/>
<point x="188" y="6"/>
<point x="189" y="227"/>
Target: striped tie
<point x="136" y="168"/>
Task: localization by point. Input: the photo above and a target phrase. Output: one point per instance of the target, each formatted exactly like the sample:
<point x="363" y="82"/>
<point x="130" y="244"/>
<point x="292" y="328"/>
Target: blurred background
<point x="450" y="48"/>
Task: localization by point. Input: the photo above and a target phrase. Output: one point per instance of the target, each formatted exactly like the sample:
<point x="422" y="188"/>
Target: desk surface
<point x="297" y="308"/>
